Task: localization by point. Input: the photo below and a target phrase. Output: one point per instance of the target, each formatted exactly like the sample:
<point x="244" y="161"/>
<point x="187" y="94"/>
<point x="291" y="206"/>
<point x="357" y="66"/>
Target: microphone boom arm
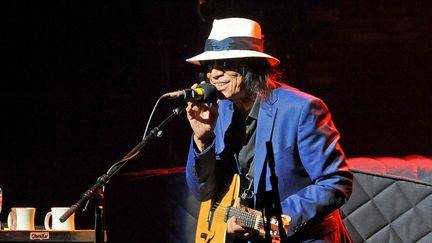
<point x="104" y="179"/>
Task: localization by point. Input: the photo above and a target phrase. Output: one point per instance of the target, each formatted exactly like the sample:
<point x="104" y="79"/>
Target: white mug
<point x="21" y="218"/>
<point x="55" y="214"/>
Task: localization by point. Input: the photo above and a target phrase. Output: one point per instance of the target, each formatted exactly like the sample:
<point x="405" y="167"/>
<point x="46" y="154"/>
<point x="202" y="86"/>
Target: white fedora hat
<point x="234" y="38"/>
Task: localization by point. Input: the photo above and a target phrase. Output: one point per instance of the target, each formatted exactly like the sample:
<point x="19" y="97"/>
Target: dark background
<point x="80" y="79"/>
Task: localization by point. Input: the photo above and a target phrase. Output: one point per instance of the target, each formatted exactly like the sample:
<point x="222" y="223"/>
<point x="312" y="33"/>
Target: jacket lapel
<point x="223" y="123"/>
<point x="266" y="119"/>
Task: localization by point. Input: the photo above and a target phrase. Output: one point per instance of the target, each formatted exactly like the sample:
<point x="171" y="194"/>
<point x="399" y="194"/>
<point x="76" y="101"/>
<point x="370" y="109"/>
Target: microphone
<point x="205" y="93"/>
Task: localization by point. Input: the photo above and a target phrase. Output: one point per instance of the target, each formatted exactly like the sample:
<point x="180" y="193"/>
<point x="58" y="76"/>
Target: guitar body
<point x="211" y="226"/>
<point x="214" y="213"/>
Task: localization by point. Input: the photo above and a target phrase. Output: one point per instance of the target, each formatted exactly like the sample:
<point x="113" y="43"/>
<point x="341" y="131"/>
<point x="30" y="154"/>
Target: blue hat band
<point x="234" y="43"/>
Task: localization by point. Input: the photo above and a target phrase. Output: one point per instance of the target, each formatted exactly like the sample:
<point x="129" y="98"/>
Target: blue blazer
<point x="313" y="177"/>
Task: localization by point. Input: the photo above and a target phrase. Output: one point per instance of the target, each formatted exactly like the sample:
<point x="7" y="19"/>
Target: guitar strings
<point x="223" y="213"/>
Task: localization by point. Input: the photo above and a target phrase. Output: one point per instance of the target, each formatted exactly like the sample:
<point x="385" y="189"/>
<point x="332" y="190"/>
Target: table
<point x="47" y="236"/>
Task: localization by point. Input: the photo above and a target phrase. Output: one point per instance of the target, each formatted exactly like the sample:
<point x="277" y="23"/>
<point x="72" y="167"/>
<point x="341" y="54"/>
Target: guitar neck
<point x="244" y="219"/>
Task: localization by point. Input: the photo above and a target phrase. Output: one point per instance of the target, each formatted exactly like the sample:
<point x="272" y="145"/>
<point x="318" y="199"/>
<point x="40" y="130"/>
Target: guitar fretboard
<point x="244" y="218"/>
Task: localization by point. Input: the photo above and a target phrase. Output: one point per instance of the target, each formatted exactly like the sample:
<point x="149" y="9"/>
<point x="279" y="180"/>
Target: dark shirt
<point x="246" y="155"/>
<point x="246" y="132"/>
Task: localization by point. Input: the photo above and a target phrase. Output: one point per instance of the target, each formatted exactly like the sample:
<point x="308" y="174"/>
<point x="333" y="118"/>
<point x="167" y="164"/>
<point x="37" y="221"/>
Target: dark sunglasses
<point x="223" y="65"/>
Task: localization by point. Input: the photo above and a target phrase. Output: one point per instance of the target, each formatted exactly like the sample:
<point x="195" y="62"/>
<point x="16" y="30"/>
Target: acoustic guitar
<point x="214" y="213"/>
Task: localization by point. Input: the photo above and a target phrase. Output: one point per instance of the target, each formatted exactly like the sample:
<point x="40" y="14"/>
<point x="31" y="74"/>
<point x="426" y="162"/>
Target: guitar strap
<point x="247" y="185"/>
<point x="247" y="181"/>
<point x="248" y="192"/>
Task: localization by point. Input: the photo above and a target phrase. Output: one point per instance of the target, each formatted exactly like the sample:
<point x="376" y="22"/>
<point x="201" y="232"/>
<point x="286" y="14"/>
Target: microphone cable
<point x="151" y="114"/>
<point x="123" y="161"/>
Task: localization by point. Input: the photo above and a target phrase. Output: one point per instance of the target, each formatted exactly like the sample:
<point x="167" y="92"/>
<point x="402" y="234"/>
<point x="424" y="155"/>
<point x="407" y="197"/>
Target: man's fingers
<point x="197" y="107"/>
<point x="234" y="228"/>
<point x="232" y="225"/>
<point x="237" y="203"/>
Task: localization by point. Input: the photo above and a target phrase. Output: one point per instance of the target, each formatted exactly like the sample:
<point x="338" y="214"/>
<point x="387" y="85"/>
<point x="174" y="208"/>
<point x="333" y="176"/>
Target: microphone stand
<point x="97" y="190"/>
<point x="272" y="199"/>
<point x="100" y="235"/>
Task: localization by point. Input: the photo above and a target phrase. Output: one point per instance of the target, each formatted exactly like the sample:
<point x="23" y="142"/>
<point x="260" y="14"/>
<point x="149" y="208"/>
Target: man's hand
<point x="238" y="230"/>
<point x="202" y="119"/>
